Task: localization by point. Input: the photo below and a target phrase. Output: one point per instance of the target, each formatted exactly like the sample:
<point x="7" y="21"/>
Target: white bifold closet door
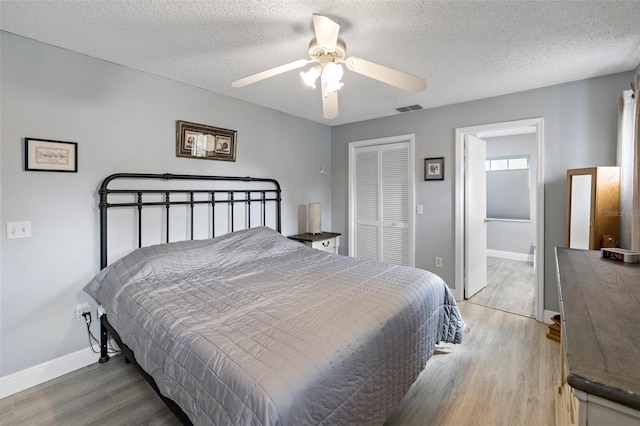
<point x="382" y="203"/>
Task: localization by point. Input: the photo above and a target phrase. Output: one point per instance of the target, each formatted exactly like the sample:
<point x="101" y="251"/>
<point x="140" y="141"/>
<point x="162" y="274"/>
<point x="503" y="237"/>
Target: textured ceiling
<point x="465" y="50"/>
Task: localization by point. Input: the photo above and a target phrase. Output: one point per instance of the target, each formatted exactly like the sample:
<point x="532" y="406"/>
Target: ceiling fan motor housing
<point x="323" y="56"/>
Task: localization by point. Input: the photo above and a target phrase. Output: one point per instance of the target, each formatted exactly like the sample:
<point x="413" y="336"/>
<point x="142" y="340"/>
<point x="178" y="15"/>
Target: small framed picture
<point x="434" y="168"/>
<point x="50" y="156"/>
<point x="205" y="142"/>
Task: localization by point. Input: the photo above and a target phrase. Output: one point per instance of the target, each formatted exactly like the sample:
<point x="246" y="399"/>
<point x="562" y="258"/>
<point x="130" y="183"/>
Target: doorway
<point x="466" y="250"/>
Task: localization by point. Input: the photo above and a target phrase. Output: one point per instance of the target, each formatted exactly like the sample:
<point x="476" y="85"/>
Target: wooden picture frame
<point x="204" y="142"/>
<point x="46" y="155"/>
<point x="434" y="168"/>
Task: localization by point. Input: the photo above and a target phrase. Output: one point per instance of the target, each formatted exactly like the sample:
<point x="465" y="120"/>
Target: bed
<point x="253" y="328"/>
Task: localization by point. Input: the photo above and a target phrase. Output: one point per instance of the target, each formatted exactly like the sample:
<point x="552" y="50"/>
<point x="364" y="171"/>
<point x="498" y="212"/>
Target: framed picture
<point x="205" y="142"/>
<point x="434" y="168"/>
<point x="50" y="156"/>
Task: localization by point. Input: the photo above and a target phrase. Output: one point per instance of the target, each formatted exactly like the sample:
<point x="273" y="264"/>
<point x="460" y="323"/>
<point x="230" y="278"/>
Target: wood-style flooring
<point x="511" y="287"/>
<point x="504" y="373"/>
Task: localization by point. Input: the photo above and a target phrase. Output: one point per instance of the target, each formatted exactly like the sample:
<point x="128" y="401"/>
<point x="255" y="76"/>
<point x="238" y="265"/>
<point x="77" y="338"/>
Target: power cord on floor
<point x="92" y="338"/>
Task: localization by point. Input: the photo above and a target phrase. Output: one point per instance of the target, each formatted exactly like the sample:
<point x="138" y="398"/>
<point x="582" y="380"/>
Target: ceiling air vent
<point x="409" y="108"/>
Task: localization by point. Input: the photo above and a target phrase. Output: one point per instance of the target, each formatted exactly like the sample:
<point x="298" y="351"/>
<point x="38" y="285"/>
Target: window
<point x="507" y="163"/>
<point x="508" y="189"/>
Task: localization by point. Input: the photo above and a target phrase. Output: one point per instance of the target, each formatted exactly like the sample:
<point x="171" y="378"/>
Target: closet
<point x="381" y="200"/>
<point x="593" y="207"/>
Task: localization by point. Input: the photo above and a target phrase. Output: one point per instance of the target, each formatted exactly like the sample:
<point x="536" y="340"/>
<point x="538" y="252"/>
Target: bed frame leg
<point x="104" y="335"/>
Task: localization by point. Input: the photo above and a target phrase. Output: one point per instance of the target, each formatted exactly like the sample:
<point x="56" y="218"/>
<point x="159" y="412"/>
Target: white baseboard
<point x="32" y="376"/>
<point x="524" y="257"/>
<point x="547" y="316"/>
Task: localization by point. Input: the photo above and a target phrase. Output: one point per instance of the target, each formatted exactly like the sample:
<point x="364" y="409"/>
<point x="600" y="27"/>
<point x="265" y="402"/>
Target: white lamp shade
<point x="331" y="75"/>
<point x="332" y="72"/>
<point x="315" y="218"/>
<point x="309" y="77"/>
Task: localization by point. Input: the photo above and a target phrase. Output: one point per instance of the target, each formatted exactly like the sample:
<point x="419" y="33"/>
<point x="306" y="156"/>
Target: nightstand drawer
<point x="325" y="241"/>
<point x="330" y="244"/>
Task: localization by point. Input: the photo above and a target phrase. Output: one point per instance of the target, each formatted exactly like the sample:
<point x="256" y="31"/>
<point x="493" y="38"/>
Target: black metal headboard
<point x="264" y="193"/>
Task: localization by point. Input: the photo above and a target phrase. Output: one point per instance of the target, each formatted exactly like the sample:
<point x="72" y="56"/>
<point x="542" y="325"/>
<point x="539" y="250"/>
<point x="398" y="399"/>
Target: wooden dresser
<point x="593" y="206"/>
<point x="600" y="370"/>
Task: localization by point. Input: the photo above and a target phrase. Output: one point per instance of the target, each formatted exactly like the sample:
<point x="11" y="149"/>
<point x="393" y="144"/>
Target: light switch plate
<point x="18" y="230"/>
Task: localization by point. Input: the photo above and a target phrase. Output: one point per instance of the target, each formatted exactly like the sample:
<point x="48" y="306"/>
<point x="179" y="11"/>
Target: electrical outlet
<point x="438" y="262"/>
<point x="82" y="308"/>
<point x="419" y="209"/>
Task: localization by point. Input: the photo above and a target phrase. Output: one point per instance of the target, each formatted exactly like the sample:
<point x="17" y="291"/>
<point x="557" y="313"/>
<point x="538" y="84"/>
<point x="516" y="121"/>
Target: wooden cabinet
<point x="600" y="340"/>
<point x="325" y="241"/>
<point x="593" y="203"/>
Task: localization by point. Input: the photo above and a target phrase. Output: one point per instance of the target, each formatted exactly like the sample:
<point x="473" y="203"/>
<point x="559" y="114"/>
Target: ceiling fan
<point x="329" y="51"/>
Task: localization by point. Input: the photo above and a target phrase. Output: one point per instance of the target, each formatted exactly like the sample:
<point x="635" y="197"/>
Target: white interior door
<point x="475" y="216"/>
<point x="381" y="187"/>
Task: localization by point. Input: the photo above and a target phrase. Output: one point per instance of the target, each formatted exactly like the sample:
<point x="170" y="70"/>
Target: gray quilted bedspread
<point x="252" y="328"/>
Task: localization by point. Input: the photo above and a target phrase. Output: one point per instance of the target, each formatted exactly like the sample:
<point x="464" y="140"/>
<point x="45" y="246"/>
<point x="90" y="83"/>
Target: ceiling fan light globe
<point x="332" y="73"/>
<point x="309" y="81"/>
<point x="309" y="77"/>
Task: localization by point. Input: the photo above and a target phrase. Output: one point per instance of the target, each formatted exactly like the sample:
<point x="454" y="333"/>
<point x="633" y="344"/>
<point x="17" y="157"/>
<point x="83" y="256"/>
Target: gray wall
<point x="580" y="131"/>
<point x="515" y="237"/>
<point x="512" y="237"/>
<point x="123" y="121"/>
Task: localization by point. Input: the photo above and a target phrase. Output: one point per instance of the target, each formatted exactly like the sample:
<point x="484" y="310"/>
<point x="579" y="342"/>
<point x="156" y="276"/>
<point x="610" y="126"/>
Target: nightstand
<point x="325" y="241"/>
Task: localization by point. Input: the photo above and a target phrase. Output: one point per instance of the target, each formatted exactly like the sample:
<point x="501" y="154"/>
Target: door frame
<point x="412" y="170"/>
<point x="459" y="232"/>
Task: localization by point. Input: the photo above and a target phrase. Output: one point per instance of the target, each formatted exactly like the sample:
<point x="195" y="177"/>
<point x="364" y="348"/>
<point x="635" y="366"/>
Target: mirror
<point x="580" y="218"/>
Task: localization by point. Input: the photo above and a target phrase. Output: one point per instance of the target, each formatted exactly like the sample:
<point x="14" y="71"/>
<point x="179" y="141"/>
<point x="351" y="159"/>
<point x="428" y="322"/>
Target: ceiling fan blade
<point x="270" y="73"/>
<point x="400" y="79"/>
<point x="326" y="32"/>
<point x="329" y="103"/>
